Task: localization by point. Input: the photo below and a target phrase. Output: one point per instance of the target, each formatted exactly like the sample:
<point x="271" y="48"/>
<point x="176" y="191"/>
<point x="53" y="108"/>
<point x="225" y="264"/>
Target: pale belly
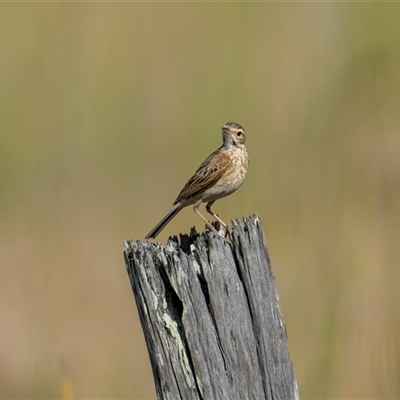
<point x="230" y="181"/>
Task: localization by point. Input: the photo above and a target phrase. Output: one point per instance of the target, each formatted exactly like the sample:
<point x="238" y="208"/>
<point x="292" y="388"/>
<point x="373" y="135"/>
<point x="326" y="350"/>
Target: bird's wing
<point x="212" y="168"/>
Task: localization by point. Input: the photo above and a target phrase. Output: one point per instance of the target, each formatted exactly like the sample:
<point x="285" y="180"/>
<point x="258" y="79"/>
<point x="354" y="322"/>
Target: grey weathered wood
<point x="210" y="314"/>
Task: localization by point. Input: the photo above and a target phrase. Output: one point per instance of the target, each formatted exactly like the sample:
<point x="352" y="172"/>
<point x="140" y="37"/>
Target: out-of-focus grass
<point x="107" y="109"/>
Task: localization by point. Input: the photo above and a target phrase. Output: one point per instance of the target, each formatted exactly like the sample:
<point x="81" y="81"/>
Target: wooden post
<point x="210" y="315"/>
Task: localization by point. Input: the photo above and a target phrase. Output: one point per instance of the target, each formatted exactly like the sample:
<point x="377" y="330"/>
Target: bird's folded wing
<point x="209" y="172"/>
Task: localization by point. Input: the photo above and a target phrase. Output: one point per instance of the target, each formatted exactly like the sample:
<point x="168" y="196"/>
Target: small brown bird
<point x="220" y="174"/>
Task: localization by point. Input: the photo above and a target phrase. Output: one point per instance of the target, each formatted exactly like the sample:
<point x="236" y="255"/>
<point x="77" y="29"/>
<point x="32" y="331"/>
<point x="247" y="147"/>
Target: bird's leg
<point x="196" y="210"/>
<point x="208" y="208"/>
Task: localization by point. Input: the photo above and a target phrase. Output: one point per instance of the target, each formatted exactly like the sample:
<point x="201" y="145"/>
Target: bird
<point x="220" y="174"/>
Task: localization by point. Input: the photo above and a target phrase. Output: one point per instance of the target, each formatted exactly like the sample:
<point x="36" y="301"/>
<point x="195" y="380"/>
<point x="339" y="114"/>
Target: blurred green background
<point x="105" y="112"/>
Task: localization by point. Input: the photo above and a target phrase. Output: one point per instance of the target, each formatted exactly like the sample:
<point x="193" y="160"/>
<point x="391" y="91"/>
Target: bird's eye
<point x="239" y="133"/>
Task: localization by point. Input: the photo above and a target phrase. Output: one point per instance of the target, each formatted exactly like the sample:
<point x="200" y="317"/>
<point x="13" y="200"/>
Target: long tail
<point x="161" y="225"/>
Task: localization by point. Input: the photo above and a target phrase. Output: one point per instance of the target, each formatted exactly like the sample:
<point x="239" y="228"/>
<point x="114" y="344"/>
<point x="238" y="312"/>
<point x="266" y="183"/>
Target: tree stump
<point x="210" y="314"/>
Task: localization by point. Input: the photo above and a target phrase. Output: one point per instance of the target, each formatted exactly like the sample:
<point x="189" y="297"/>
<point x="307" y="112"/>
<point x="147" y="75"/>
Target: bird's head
<point x="233" y="134"/>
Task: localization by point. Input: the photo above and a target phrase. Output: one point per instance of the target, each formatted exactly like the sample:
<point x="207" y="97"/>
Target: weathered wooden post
<point x="210" y="315"/>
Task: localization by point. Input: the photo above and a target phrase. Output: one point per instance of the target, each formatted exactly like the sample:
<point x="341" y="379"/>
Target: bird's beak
<point x="225" y="129"/>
